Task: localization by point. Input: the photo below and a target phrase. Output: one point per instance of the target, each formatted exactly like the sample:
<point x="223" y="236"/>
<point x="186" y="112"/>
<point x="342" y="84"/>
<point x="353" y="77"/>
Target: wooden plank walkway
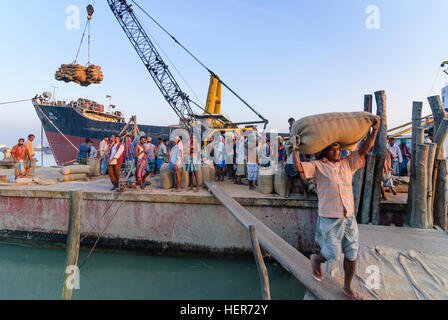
<point x="289" y="257"/>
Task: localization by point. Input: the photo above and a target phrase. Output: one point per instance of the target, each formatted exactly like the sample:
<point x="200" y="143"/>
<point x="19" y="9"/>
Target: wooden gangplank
<point x="290" y="258"/>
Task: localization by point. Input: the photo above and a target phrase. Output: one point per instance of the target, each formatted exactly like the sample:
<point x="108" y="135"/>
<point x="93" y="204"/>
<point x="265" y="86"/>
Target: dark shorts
<point x="82" y="161"/>
<point x="291" y="171"/>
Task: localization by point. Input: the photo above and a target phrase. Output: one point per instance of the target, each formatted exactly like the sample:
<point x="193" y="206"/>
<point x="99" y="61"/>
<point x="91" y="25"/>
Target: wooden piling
<point x="416" y="123"/>
<point x="359" y="177"/>
<point x="441" y="195"/>
<point x="418" y="138"/>
<point x="262" y="271"/>
<point x="368" y="184"/>
<point x="430" y="190"/>
<point x="73" y="238"/>
<point x="421" y="185"/>
<point x="380" y="155"/>
<point x="437" y="111"/>
<point x="368" y="98"/>
<point x="439" y="138"/>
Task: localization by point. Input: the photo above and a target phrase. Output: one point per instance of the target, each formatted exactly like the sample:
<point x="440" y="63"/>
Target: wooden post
<point x="262" y="271"/>
<point x="429" y="171"/>
<point x="380" y="155"/>
<point x="368" y="98"/>
<point x="358" y="181"/>
<point x="359" y="177"/>
<point x="73" y="239"/>
<point x="420" y="188"/>
<point x="419" y="134"/>
<point x="439" y="139"/>
<point x="368" y="184"/>
<point x="437" y="111"/>
<point x="441" y="195"/>
<point x="416" y="123"/>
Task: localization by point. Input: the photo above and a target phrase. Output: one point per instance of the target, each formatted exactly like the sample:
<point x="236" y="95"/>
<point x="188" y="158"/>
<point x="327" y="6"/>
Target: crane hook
<point x="90" y="11"/>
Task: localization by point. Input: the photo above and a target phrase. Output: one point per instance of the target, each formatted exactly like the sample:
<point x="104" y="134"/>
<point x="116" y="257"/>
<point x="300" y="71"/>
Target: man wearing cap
<point x="337" y="230"/>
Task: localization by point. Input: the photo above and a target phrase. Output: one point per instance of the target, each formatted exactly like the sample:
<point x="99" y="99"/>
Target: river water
<point x="37" y="273"/>
<point x="48" y="159"/>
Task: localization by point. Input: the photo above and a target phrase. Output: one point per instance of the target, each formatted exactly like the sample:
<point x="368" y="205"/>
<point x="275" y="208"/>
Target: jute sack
<point x="317" y="132"/>
<point x="79" y="169"/>
<point x="266" y="180"/>
<point x="205" y="173"/>
<point x="212" y="172"/>
<point x="208" y="172"/>
<point x="92" y="164"/>
<point x="166" y="177"/>
<point x="97" y="171"/>
<point x="74" y="177"/>
<point x="185" y="179"/>
<point x="280" y="181"/>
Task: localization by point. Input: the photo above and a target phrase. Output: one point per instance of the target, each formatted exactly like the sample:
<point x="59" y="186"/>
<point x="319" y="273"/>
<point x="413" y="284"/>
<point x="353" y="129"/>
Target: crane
<point x="159" y="71"/>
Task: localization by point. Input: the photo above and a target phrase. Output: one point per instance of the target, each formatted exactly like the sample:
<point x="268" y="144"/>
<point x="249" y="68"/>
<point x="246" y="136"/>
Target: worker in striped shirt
<point x="337" y="230"/>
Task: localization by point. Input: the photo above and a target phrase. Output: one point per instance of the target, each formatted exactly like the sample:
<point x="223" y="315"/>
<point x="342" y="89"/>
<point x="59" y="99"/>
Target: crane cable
<point x="90" y="12"/>
<point x="199" y="105"/>
<point x="202" y="64"/>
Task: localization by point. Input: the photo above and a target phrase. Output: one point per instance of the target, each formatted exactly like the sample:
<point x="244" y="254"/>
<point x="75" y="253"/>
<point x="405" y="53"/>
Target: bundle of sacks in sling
<point x="315" y="133"/>
<point x="83" y="76"/>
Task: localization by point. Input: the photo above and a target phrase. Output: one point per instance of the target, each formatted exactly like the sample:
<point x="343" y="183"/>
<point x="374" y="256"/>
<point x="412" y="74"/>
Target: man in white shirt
<point x="240" y="160"/>
<point x="116" y="156"/>
<point x="176" y="162"/>
<point x="104" y="149"/>
<point x="264" y="153"/>
<point x="397" y="156"/>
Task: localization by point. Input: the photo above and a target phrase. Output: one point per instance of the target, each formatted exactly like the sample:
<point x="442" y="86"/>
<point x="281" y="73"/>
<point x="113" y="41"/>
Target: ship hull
<point x="66" y="128"/>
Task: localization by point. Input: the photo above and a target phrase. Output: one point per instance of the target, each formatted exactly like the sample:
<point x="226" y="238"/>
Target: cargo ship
<point x="67" y="125"/>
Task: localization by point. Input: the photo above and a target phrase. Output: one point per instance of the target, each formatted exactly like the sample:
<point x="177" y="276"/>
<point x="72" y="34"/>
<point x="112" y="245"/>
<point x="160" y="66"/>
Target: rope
<point x="101" y="217"/>
<point x="66" y="163"/>
<point x="200" y="105"/>
<point x="56" y="128"/>
<point x="88" y="47"/>
<point x="11" y="102"/>
<point x="82" y="40"/>
<point x="101" y="234"/>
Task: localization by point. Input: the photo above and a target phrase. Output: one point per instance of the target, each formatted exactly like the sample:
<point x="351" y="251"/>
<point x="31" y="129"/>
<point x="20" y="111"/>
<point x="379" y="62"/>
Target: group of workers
<point x="337" y="229"/>
<point x="115" y="152"/>
<point x="23" y="156"/>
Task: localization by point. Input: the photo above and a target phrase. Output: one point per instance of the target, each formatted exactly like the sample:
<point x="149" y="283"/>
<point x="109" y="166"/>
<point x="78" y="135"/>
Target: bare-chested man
<point x="19" y="154"/>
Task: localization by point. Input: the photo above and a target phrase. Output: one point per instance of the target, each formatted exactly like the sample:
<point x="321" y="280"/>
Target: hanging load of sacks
<point x="71" y="72"/>
<point x="74" y="72"/>
<point x="315" y="133"/>
<point x="83" y="76"/>
<point x="94" y="74"/>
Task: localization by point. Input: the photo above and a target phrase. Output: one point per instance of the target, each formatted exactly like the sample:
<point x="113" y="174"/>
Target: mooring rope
<point x="101" y="234"/>
<point x="17" y="101"/>
<point x="101" y="217"/>
<point x="57" y="128"/>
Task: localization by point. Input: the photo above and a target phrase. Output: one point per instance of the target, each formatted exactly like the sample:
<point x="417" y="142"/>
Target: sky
<point x="287" y="58"/>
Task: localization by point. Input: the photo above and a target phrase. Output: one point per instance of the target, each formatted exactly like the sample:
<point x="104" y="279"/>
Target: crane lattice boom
<point x="159" y="71"/>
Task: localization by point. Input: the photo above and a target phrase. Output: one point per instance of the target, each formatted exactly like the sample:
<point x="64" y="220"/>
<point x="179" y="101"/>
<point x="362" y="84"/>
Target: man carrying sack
<point x="337" y="229"/>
